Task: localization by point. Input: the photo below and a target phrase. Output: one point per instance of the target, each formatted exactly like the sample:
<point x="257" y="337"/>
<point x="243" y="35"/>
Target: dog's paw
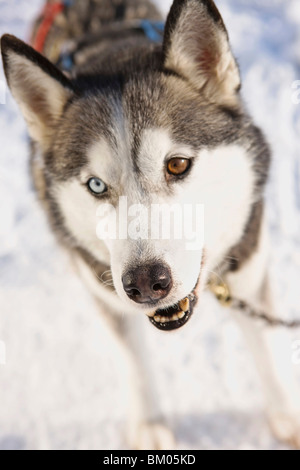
<point x="152" y="436"/>
<point x="286" y="428"/>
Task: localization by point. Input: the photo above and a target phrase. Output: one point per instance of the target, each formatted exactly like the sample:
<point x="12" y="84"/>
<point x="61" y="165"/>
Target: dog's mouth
<point x="175" y="316"/>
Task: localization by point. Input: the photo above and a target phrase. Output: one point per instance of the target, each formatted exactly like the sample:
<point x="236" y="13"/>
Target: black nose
<point x="146" y="284"/>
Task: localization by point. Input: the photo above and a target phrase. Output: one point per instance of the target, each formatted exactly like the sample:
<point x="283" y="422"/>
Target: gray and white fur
<point x="125" y="108"/>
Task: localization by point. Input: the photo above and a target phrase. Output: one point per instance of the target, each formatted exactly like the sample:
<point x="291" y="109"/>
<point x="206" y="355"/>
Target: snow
<point x="64" y="384"/>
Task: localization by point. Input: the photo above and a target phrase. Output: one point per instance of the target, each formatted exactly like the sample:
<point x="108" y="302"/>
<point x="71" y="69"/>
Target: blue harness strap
<point x="153" y="29"/>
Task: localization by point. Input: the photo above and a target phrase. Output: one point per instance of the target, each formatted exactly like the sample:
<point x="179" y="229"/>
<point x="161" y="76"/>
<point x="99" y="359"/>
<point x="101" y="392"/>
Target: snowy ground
<point x="63" y="385"/>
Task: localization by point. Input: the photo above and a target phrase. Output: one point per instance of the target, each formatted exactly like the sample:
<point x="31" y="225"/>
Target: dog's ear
<point x="196" y="47"/>
<point x="40" y="88"/>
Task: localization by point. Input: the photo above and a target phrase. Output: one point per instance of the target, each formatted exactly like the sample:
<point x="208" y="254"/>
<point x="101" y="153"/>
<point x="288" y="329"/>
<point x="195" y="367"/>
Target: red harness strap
<point x="49" y="14"/>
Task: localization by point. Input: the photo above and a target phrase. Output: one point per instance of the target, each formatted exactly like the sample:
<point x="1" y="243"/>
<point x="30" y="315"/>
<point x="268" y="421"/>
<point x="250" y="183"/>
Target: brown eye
<point x="178" y="166"/>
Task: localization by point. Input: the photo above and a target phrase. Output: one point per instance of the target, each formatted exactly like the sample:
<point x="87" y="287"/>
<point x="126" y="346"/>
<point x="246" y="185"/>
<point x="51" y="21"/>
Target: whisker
<point x="107" y="282"/>
<point x="218" y="275"/>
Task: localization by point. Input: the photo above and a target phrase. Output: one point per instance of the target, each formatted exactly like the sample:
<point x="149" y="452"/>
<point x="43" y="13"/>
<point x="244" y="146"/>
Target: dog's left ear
<point x="196" y="47"/>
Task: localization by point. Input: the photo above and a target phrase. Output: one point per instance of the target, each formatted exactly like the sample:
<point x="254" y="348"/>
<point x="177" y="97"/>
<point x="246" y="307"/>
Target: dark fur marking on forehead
<point x="136" y="144"/>
<point x="141" y="95"/>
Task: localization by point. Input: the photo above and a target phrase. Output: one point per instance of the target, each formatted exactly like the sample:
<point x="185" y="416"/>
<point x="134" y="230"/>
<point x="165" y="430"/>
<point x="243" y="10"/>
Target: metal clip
<point x="221" y="291"/>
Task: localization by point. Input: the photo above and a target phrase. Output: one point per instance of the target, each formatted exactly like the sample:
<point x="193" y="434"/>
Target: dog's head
<point x="164" y="128"/>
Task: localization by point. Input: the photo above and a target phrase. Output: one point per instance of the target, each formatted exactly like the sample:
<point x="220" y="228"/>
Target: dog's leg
<point x="271" y="347"/>
<point x="147" y="430"/>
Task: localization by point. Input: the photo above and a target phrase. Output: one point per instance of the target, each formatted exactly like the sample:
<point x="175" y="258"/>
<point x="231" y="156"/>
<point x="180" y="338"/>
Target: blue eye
<point x="96" y="186"/>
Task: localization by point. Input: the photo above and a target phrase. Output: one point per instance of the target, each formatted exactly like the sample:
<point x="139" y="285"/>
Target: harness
<point x="152" y="30"/>
<point x="49" y="15"/>
<point x="64" y="54"/>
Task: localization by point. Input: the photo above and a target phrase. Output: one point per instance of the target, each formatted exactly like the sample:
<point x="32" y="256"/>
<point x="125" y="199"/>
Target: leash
<point x="217" y="287"/>
<point x="222" y="293"/>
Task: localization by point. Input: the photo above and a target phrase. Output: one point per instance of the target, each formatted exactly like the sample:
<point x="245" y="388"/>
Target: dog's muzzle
<point x="148" y="285"/>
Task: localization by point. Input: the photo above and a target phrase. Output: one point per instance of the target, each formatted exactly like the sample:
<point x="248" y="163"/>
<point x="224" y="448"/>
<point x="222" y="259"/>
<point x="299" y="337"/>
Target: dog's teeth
<point x="184" y="304"/>
<point x="168" y="319"/>
<point x="151" y="314"/>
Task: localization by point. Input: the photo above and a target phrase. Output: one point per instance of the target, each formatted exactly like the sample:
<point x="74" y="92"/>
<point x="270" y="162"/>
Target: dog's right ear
<point x="197" y="48"/>
<point x="40" y="88"/>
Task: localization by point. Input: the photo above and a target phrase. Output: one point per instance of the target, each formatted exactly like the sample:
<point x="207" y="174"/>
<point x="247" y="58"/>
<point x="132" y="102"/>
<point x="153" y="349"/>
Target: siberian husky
<point x="118" y="108"/>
